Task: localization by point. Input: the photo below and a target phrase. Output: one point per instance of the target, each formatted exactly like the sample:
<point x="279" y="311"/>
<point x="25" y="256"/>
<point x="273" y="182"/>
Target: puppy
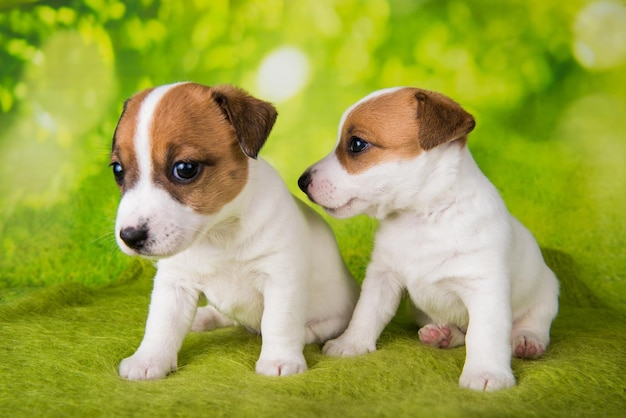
<point x="474" y="272"/>
<point x="221" y="222"/>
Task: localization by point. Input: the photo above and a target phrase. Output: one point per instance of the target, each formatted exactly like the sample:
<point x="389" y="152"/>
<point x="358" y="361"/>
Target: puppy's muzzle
<point x="134" y="237"/>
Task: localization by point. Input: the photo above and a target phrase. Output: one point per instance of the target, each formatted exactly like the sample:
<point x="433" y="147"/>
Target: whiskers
<point x="106" y="238"/>
<point x="181" y="243"/>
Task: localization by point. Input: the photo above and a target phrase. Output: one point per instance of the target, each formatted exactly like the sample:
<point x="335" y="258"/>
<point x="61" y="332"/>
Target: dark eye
<point x="185" y="171"/>
<point x="357" y="145"/>
<point x="118" y="172"/>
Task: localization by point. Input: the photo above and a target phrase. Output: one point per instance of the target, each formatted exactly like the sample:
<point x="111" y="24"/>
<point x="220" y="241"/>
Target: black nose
<point x="135" y="238"/>
<point x="304" y="181"/>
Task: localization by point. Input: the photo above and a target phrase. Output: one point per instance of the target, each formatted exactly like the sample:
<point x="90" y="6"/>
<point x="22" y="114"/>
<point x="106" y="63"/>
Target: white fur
<point x="446" y="236"/>
<point x="265" y="261"/>
<point x="142" y="135"/>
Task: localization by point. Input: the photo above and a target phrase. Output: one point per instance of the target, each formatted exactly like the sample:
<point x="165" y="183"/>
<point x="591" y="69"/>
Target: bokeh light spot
<point x="282" y="74"/>
<point x="68" y="86"/>
<point x="600" y="35"/>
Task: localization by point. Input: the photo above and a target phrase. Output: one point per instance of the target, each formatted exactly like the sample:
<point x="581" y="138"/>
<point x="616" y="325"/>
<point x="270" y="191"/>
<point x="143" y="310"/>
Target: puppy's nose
<point x="304" y="181"/>
<point x="135" y="238"/>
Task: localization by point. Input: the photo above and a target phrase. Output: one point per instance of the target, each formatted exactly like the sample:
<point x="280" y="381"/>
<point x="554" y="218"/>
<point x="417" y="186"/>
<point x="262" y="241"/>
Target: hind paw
<point x="527" y="346"/>
<point x="435" y="336"/>
<point x="441" y="336"/>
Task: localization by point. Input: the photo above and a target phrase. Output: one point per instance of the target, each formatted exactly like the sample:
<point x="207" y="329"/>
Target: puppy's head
<point x="381" y="144"/>
<point x="180" y="154"/>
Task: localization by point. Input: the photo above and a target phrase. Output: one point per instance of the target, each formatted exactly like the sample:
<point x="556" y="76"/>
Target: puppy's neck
<point x="224" y="227"/>
<point x="442" y="176"/>
<point x="236" y="221"/>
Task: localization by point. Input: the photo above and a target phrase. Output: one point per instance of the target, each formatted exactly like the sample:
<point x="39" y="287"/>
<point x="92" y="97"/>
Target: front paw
<point x="281" y="367"/>
<point x="141" y="366"/>
<point x="345" y="347"/>
<point x="487" y="381"/>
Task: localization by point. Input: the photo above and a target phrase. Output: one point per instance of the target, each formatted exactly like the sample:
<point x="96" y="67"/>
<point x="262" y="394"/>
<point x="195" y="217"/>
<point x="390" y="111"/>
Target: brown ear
<point x="252" y="118"/>
<point x="441" y="119"/>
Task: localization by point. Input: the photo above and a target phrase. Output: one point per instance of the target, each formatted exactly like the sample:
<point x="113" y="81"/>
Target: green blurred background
<point x="545" y="80"/>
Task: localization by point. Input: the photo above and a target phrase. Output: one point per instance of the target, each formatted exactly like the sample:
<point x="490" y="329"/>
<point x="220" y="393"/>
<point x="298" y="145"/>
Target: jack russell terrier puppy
<point x="221" y="222"/>
<point x="474" y="273"/>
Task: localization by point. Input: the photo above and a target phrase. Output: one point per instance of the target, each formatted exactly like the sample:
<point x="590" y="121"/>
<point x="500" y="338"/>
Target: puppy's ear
<point x="252" y="118"/>
<point x="441" y="119"/>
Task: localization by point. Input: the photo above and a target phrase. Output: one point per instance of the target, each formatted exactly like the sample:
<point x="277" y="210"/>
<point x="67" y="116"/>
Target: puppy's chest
<point x="232" y="284"/>
<point x="430" y="260"/>
<point x="422" y="251"/>
<point x="234" y="289"/>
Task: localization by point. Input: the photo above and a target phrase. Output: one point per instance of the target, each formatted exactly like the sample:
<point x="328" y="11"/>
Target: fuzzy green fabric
<point x="61" y="345"/>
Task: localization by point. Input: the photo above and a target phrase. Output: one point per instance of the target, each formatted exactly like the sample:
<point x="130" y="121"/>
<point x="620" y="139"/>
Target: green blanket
<point x="61" y="346"/>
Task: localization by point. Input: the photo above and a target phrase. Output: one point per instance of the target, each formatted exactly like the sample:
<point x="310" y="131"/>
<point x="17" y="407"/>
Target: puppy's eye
<point x="118" y="172"/>
<point x="357" y="145"/>
<point x="185" y="171"/>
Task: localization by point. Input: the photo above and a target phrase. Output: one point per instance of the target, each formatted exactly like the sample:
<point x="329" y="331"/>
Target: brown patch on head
<point x="123" y="148"/>
<point x="387" y="123"/>
<point x="190" y="126"/>
<point x="400" y="125"/>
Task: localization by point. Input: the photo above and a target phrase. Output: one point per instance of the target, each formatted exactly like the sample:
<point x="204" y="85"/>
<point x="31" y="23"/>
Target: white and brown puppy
<point x="221" y="222"/>
<point x="473" y="271"/>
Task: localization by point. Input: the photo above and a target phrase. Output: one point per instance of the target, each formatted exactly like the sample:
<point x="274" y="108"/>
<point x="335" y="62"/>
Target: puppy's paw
<point x="527" y="345"/>
<point x="435" y="336"/>
<point x="344" y="347"/>
<point x="487" y="381"/>
<point x="146" y="367"/>
<point x="208" y="318"/>
<point x="441" y="336"/>
<point x="281" y="367"/>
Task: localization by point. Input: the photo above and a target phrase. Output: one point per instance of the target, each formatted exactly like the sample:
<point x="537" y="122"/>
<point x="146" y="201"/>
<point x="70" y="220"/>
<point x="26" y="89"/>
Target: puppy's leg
<point x="380" y="297"/>
<point x="531" y="331"/>
<point x="488" y="353"/>
<point x="320" y="331"/>
<point x="441" y="336"/>
<point x="283" y="326"/>
<point x="208" y="318"/>
<point x="170" y="314"/>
